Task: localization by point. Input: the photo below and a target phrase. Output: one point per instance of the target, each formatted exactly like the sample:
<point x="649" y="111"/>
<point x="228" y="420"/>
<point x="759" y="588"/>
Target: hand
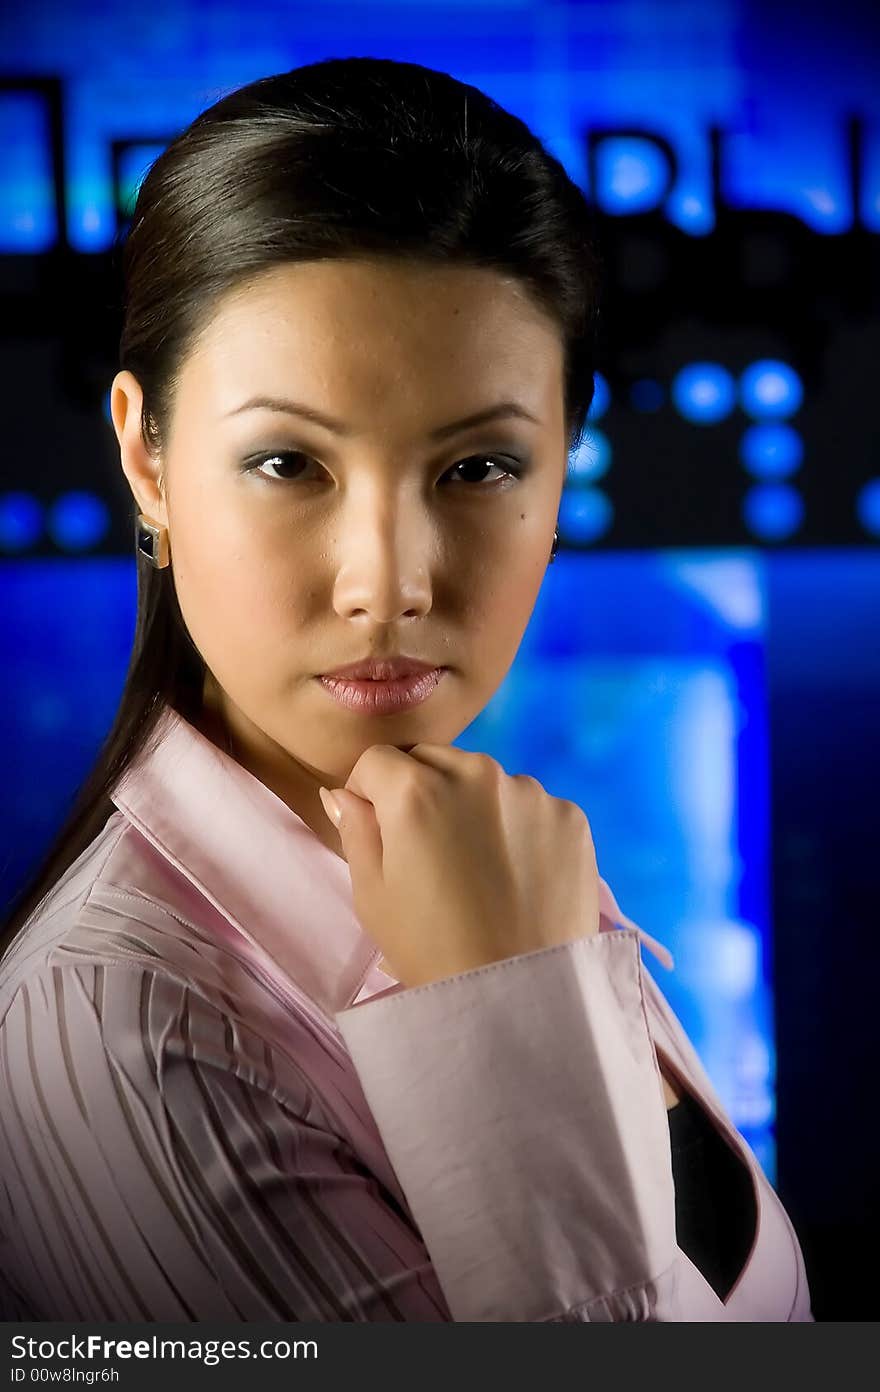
<point x="455" y="864"/>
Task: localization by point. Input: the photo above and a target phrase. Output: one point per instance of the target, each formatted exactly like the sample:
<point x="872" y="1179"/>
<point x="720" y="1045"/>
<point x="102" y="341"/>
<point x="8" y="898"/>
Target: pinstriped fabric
<point x="190" y="1028"/>
<point x="150" y="1175"/>
<point x="177" y="1141"/>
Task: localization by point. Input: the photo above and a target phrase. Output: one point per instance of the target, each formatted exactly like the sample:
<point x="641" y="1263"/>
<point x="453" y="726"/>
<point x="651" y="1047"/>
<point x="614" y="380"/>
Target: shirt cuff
<point x="520" y="1104"/>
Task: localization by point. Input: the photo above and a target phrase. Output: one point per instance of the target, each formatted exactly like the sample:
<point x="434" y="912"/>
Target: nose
<point x="383" y="564"/>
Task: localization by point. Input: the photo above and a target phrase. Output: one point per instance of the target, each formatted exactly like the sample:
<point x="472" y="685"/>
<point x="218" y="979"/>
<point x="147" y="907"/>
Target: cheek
<point x="240" y="595"/>
<point x="500" y="611"/>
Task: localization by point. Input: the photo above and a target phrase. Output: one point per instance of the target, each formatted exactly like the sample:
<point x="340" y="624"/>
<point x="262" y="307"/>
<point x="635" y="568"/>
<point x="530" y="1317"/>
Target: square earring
<point x="152" y="542"/>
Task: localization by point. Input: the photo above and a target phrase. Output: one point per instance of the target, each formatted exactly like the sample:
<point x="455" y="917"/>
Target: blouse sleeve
<point x="520" y="1104"/>
<point x="149" y="1174"/>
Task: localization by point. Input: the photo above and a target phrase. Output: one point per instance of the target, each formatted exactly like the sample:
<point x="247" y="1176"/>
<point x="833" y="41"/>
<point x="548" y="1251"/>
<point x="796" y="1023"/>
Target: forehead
<point x="367" y="324"/>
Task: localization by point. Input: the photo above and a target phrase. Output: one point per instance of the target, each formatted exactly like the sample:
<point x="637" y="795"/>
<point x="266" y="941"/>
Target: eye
<point x="285" y="458"/>
<point x="294" y="460"/>
<point x="510" y="468"/>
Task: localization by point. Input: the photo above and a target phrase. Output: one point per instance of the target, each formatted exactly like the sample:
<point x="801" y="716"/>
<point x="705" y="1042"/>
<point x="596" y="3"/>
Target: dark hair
<point x="345" y="157"/>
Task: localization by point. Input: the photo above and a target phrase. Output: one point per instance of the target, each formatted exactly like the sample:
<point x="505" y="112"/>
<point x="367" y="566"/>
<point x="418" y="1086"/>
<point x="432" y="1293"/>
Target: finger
<point x="378" y="768"/>
<point x="450" y="757"/>
<point x="382" y="771"/>
<point x="361" y="839"/>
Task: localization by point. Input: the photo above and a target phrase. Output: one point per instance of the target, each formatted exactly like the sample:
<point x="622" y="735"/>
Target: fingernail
<point x="331" y="806"/>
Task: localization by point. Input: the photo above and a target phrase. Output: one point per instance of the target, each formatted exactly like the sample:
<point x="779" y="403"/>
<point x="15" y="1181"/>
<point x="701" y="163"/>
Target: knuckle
<point x="374" y="753"/>
<point x="491" y="770"/>
<point x="482" y="766"/>
<point x="572" y="813"/>
<point x="422" y="786"/>
<point x="530" y="783"/>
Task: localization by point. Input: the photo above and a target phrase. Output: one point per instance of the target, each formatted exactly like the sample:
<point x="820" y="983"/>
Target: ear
<point x="142" y="468"/>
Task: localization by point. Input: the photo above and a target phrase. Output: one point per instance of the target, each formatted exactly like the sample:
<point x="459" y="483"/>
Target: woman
<point x="258" y="1064"/>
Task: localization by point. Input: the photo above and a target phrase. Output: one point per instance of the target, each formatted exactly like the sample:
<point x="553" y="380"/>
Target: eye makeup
<point x="510" y="466"/>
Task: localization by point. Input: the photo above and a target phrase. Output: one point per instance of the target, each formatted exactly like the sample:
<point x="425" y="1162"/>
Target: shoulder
<point x="138" y="968"/>
<point x="57" y="913"/>
<point x="90" y="1037"/>
<point x="123" y="906"/>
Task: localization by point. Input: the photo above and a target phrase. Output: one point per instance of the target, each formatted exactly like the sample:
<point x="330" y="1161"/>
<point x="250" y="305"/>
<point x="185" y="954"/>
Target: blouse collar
<point x="260" y="865"/>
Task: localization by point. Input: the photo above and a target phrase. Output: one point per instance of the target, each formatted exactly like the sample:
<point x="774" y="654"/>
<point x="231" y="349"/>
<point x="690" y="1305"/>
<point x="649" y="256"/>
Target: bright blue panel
<point x="638" y="693"/>
<point x="778" y="91"/>
<point x="27" y="205"/>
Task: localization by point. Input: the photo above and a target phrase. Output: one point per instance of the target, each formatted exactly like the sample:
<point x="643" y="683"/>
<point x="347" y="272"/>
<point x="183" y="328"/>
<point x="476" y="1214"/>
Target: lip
<point x="372" y="697"/>
<point x="381" y="669"/>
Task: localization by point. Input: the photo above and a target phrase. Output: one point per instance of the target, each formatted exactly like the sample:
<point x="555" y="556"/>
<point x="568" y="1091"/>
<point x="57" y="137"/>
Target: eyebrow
<point x="442" y="432"/>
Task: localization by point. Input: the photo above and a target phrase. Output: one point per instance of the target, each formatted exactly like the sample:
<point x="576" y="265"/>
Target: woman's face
<point x="299" y="546"/>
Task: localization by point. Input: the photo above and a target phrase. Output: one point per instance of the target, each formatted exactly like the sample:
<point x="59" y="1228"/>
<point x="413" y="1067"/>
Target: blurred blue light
<point x="704" y="392"/>
<point x="771" y="451"/>
<point x="724" y="959"/>
<point x="868" y="507"/>
<point x="133" y="167"/>
<point x="28" y="218"/>
<point x="601" y="397"/>
<point x="591" y="459"/>
<point x="773" y="511"/>
<point x="585" y="514"/>
<point x="631" y="175"/>
<point x="78" y="520"/>
<point x="21" y="521"/>
<point x="728" y="585"/>
<point x="770" y="390"/>
<point x="646" y="395"/>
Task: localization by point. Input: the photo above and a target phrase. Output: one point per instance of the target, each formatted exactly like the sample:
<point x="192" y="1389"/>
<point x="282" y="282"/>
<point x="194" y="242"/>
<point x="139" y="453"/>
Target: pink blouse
<point x="215" y="1105"/>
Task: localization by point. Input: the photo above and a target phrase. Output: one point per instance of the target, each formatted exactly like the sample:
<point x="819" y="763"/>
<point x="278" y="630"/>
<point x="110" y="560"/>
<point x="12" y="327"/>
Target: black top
<point x="715" y="1212"/>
